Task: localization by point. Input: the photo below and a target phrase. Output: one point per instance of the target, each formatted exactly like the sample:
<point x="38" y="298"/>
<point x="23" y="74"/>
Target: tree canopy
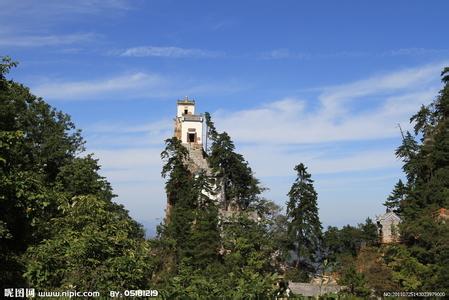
<point x="59" y="226"/>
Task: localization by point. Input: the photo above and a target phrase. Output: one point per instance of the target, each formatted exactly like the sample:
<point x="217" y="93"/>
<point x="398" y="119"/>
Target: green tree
<point x="234" y="176"/>
<point x="408" y="272"/>
<point x="36" y="141"/>
<point x="93" y="248"/>
<point x="191" y="229"/>
<point x="58" y="225"/>
<point x="182" y="199"/>
<point x="356" y="282"/>
<point x="238" y="185"/>
<point x="370" y="234"/>
<point x="396" y="198"/>
<point x="205" y="240"/>
<point x="304" y="228"/>
<point x="249" y="250"/>
<point x="426" y="166"/>
<point x="342" y="246"/>
<point x="379" y="277"/>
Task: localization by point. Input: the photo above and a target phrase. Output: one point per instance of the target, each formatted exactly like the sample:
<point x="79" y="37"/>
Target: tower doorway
<point x="191" y="137"/>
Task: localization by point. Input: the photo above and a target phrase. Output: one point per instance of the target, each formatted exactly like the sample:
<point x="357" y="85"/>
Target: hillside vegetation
<point x="60" y="228"/>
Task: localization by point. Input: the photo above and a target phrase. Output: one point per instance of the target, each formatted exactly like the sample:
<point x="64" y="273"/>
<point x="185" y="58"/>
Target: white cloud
<point x="135" y="175"/>
<point x="45" y="40"/>
<point x="289" y="121"/>
<point x="415" y="52"/>
<point x="320" y="160"/>
<point x="103" y="87"/>
<point x="60" y="8"/>
<point x="150" y="127"/>
<point x="408" y="78"/>
<point x="275" y="136"/>
<point x="143" y="85"/>
<point x="283" y="53"/>
<point x="172" y="52"/>
<point x="122" y="159"/>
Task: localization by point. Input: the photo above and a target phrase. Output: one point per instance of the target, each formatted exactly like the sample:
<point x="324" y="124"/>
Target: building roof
<point x="186" y="101"/>
<point x="388" y="215"/>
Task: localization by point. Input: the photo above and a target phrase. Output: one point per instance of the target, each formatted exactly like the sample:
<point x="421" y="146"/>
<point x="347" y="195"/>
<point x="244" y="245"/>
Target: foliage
<point x="407" y="270"/>
<point x="378" y="275"/>
<point x="205" y="254"/>
<point x="59" y="226"/>
<point x="425" y="153"/>
<point x="356" y="282"/>
<point x="93" y="248"/>
<point x="396" y="197"/>
<point x="304" y="227"/>
<point x="234" y="176"/>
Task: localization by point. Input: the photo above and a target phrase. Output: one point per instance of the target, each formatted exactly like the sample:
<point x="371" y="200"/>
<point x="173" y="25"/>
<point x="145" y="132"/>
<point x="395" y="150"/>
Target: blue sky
<point x="319" y="82"/>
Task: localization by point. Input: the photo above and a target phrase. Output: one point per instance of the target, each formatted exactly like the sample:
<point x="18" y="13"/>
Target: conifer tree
<point x="304" y="228"/>
<point x="426" y="165"/>
<point x="181" y="196"/>
<point x="192" y="222"/>
<point x="204" y="242"/>
<point x="396" y="198"/>
<point x="234" y="176"/>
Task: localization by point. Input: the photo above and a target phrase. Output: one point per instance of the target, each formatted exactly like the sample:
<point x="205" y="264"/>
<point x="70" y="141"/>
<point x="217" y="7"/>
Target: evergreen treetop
<point x="304" y="228"/>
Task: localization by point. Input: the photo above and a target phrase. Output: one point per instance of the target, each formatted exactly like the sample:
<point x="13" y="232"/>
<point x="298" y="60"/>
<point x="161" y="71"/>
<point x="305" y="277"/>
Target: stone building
<point x="189" y="128"/>
<point x="188" y="125"/>
<point x="388" y="227"/>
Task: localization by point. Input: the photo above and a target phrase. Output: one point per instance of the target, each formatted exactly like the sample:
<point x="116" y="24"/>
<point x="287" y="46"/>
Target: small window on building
<point x="191" y="137"/>
<point x="186" y="111"/>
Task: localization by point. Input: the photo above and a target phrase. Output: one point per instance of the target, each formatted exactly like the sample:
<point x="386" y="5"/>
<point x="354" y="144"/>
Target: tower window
<point x="186" y="111"/>
<point x="191" y="137"/>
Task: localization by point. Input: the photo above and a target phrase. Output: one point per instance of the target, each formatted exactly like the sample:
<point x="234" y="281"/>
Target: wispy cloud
<point x="58" y="8"/>
<point x="135" y="175"/>
<point x="285" y="53"/>
<point x="151" y="127"/>
<point x="334" y="138"/>
<point x="78" y="90"/>
<point x="46" y="40"/>
<point x="169" y="52"/>
<point x="131" y="86"/>
<point x="292" y="121"/>
<point x="415" y="52"/>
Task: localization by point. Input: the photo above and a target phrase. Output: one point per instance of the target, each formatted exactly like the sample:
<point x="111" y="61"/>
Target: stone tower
<point x="189" y="129"/>
<point x="188" y="125"/>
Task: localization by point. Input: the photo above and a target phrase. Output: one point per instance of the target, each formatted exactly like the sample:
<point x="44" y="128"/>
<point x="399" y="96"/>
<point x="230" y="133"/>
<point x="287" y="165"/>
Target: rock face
<point x="197" y="161"/>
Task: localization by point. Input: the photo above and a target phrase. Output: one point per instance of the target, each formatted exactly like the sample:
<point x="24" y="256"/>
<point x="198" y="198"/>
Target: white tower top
<point x="188" y="126"/>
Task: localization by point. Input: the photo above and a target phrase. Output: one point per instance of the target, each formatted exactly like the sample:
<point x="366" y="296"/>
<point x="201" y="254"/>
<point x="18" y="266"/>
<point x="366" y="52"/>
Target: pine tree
<point x="181" y="196"/>
<point x="234" y="176"/>
<point x="204" y="242"/>
<point x="304" y="228"/>
<point x="396" y="198"/>
<point x="426" y="165"/>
